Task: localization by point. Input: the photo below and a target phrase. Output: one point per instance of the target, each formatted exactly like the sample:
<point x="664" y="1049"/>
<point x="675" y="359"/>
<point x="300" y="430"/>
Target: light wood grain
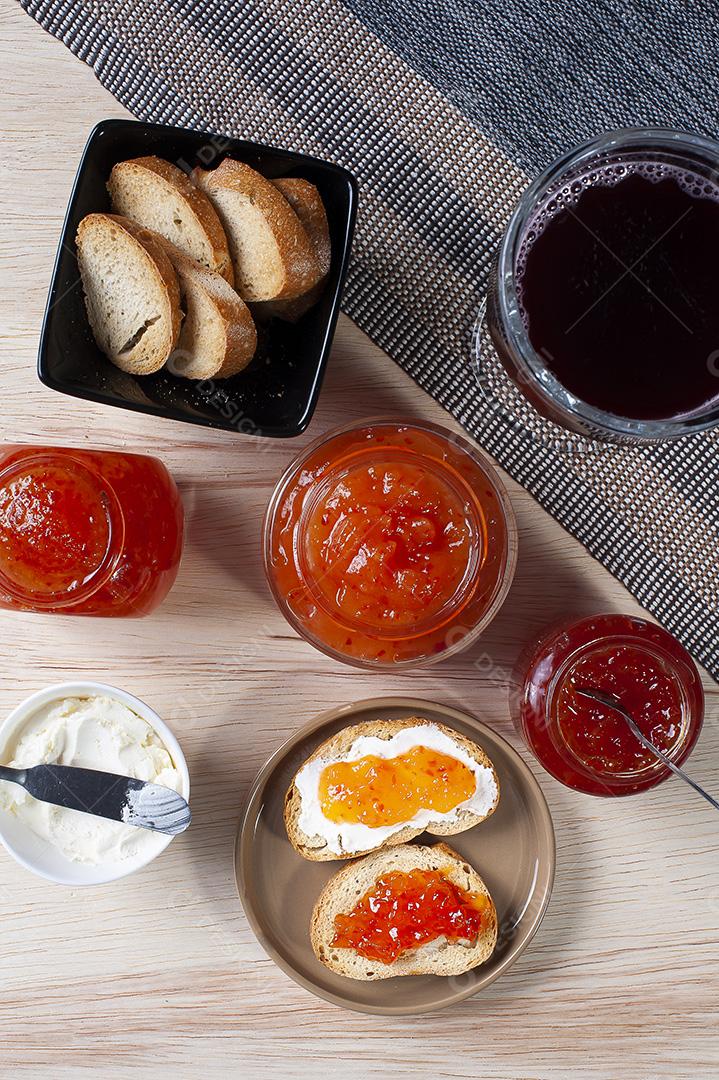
<point x="159" y="975"/>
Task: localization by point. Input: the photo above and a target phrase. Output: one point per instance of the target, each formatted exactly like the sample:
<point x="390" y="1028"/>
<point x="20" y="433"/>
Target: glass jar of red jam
<point x="86" y="532"/>
<point x="390" y="544"/>
<point x="587" y="745"/>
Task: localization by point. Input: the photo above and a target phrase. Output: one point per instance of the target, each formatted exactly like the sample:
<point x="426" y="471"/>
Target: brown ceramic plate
<point x="513" y="851"/>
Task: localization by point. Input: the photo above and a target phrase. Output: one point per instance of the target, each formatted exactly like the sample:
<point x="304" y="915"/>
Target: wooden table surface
<point x="159" y="975"/>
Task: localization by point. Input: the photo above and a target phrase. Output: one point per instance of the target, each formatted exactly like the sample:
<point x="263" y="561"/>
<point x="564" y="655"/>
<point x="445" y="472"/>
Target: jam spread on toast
<point x="376" y="791"/>
<point x="405" y="910"/>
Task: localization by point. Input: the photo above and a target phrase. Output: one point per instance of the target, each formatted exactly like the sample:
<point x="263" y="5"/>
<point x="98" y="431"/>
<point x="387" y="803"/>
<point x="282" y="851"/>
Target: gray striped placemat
<point x="441" y="108"/>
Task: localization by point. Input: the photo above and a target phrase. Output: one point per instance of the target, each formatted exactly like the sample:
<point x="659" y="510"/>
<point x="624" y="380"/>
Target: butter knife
<point x="105" y="795"/>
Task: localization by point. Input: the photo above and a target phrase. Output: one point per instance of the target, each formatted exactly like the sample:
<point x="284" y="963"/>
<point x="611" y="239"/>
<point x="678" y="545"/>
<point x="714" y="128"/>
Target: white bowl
<point x="35" y="853"/>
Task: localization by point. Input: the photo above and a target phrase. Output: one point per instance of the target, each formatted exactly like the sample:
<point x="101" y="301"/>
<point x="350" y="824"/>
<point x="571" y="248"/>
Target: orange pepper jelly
<point x="390" y="544"/>
<point x="376" y="792"/>
<point x="405" y="910"/>
<point x="86" y="532"/>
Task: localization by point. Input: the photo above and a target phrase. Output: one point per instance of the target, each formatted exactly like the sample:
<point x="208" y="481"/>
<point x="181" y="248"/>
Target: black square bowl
<point x="276" y="395"/>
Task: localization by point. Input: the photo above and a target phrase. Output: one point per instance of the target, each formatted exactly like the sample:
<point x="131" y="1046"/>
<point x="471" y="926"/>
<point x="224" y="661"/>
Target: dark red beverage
<point x="618" y="285"/>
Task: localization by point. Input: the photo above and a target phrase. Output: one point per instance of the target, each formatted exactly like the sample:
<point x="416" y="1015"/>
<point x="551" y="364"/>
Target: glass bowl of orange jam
<point x="390" y="544"/>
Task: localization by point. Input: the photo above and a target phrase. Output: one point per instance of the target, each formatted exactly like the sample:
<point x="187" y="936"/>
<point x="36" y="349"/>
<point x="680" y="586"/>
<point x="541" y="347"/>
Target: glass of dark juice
<point x="604" y="302"/>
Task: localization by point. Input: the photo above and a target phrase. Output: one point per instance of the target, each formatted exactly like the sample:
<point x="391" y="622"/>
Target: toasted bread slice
<point x="272" y="254"/>
<point x="305" y="200"/>
<point x="131" y="292"/>
<point x="439" y="957"/>
<point x="218" y="336"/>
<point x="161" y="197"/>
<point x="317" y="847"/>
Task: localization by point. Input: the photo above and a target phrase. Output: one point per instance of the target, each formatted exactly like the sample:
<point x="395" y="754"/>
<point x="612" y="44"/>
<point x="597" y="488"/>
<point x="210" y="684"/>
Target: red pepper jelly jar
<point x="390" y="544"/>
<point x="583" y="743"/>
<point x="86" y="532"/>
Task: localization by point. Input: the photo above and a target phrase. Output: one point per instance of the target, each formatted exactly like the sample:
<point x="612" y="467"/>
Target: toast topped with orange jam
<point x="384" y="782"/>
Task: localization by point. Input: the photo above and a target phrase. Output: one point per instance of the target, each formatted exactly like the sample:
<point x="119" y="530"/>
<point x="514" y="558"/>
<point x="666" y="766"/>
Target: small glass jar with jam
<point x="587" y="745"/>
<point x="390" y="544"/>
<point x="86" y="532"/>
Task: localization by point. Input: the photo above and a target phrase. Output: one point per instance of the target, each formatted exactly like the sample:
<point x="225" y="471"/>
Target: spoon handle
<point x="606" y="699"/>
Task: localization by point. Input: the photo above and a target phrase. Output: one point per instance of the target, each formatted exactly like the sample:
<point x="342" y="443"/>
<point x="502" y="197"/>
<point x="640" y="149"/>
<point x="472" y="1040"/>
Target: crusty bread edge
<point x="240" y="330"/>
<point x="153" y="250"/>
<point x="294" y="245"/>
<point x="314" y="220"/>
<point x="306" y="201"/>
<point x="198" y="202"/>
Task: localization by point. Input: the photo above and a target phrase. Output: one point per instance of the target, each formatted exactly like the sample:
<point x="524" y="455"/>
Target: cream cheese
<point x="344" y="839"/>
<point x="93" y="733"/>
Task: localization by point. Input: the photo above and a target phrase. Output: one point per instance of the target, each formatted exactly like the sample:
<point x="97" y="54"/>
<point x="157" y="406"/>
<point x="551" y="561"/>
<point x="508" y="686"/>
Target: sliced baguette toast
<point x="315" y="848"/>
<point x="440" y="957"/>
<point x="305" y="200"/>
<point x="272" y="254"/>
<point x="161" y="197"/>
<point x="131" y="292"/>
<point x="218" y="336"/>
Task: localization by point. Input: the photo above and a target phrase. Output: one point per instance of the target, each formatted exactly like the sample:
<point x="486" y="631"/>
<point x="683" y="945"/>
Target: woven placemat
<point x="441" y="109"/>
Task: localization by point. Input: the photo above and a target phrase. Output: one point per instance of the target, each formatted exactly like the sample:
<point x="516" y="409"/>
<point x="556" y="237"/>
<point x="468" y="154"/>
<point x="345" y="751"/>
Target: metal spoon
<point x="612" y="703"/>
<point x="105" y="795"/>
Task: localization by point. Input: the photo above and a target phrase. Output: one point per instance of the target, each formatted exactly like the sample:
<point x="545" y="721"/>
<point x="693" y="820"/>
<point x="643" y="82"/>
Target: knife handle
<point x="14" y="776"/>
